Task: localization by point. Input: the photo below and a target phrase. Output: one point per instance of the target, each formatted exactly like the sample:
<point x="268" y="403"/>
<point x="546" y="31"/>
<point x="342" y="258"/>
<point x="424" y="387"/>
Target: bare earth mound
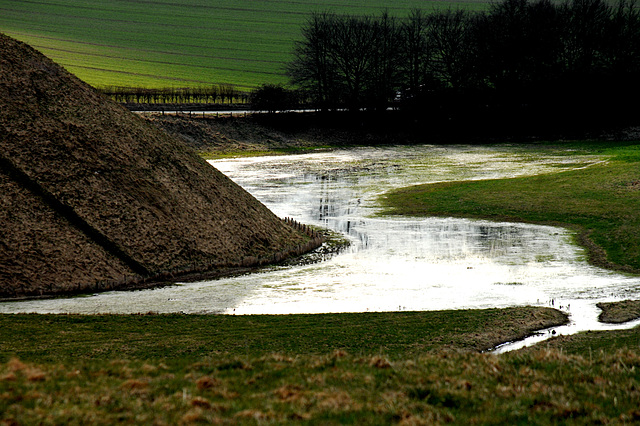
<point x="90" y="193"/>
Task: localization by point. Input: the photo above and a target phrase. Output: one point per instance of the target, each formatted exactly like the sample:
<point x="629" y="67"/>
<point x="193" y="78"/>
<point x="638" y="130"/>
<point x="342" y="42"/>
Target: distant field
<point x="165" y="43"/>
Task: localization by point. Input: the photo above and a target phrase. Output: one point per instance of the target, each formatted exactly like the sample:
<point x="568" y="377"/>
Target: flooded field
<point x="392" y="263"/>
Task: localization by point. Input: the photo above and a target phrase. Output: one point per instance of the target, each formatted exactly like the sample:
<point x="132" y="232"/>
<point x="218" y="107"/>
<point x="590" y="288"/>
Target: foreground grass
<point x="378" y="368"/>
<point x="541" y="387"/>
<point x="602" y="202"/>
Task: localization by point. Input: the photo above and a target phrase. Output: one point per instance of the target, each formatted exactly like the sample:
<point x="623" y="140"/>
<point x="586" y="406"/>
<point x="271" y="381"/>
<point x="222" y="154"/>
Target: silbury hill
<point x="93" y="197"/>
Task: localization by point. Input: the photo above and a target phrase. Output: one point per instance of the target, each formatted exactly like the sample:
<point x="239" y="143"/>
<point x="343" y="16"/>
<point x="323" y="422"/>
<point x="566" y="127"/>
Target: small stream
<point x="392" y="264"/>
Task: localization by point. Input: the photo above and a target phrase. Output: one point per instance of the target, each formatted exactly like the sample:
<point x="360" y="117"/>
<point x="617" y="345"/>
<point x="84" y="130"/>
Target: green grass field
<point x="164" y="43"/>
<point x="189" y="338"/>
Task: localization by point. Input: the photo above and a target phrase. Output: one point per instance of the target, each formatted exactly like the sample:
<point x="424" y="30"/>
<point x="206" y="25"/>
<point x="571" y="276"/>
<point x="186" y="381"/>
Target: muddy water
<point x="392" y="263"/>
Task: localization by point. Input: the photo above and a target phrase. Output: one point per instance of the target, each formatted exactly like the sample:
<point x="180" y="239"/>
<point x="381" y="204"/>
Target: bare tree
<point x="352" y="51"/>
<point x="415" y="52"/>
<point x="453" y="48"/>
<point x="622" y="39"/>
<point x="518" y="44"/>
<point x="312" y="68"/>
<point x="384" y="71"/>
<point x="226" y="92"/>
<point x="272" y="98"/>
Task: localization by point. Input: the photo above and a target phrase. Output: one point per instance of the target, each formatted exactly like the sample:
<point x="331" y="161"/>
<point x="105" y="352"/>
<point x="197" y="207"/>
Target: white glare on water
<point x="393" y="263"/>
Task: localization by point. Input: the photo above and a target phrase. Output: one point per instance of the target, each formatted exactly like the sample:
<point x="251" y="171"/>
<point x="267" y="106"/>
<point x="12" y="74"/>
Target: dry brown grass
<point x="619" y="312"/>
<point x="110" y="197"/>
<point x="538" y="387"/>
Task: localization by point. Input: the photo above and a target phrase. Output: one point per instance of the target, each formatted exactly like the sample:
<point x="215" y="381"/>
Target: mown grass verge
<point x="601" y="202"/>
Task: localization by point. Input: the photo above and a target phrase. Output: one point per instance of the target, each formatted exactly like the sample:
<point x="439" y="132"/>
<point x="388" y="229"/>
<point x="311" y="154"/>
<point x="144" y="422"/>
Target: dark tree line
<point x="272" y="98"/>
<point x="217" y="93"/>
<point x="520" y="53"/>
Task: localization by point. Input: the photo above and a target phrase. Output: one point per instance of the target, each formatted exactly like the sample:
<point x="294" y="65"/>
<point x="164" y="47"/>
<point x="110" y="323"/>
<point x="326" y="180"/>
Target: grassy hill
<point x="91" y="193"/>
<point x="165" y="43"/>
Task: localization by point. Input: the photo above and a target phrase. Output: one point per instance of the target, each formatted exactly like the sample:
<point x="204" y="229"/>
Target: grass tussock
<point x="619" y="312"/>
<point x="539" y="387"/>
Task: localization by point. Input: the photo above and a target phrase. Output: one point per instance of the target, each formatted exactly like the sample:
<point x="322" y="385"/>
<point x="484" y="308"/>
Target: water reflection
<point x="393" y="263"/>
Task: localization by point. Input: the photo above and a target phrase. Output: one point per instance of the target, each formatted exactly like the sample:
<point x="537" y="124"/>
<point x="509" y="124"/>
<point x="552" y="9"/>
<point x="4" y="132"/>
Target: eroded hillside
<point x="90" y="193"/>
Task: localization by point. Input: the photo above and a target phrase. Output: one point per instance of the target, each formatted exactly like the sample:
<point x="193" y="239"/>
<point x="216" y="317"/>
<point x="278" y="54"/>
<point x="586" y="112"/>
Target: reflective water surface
<point x="393" y="263"/>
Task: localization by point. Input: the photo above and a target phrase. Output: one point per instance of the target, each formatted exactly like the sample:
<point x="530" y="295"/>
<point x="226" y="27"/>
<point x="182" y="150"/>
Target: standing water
<point x="392" y="263"/>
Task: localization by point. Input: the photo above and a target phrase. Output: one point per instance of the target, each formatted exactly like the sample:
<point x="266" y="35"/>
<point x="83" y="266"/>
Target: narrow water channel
<point x="393" y="263"/>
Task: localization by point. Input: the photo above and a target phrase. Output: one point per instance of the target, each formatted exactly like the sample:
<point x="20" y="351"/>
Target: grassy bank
<point x="601" y="202"/>
<point x="286" y="133"/>
<point x="590" y="343"/>
<point x="187" y="338"/>
<point x="330" y="369"/>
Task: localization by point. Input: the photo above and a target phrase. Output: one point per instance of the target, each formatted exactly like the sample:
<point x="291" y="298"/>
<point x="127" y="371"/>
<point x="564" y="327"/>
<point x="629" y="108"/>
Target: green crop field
<point x="165" y="43"/>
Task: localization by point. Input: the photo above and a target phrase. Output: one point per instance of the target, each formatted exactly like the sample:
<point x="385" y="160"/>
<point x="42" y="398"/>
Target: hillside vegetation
<point x="92" y="196"/>
<point x="175" y="44"/>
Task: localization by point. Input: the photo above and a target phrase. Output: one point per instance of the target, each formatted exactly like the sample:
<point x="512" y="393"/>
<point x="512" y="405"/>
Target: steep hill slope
<point x="90" y="193"/>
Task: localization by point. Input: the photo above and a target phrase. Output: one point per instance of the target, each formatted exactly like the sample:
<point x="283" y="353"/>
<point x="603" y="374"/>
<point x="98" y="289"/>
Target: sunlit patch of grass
<point x="599" y="201"/>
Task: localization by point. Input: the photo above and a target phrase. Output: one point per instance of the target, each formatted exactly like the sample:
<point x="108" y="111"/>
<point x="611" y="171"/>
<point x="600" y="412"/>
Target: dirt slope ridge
<point x="145" y="193"/>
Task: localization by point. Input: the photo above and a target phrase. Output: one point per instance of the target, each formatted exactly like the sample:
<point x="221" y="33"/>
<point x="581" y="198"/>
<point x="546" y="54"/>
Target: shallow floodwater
<point x="392" y="263"/>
